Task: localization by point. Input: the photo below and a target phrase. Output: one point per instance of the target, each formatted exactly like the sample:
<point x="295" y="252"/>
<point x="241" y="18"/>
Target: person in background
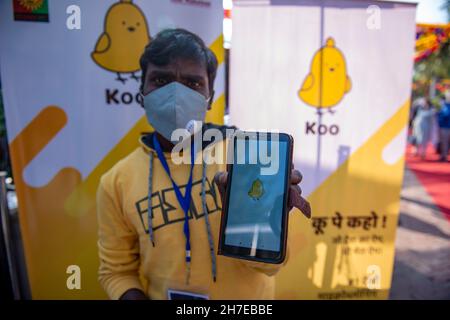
<point x="412" y="115"/>
<point x="422" y="127"/>
<point x="444" y="126"/>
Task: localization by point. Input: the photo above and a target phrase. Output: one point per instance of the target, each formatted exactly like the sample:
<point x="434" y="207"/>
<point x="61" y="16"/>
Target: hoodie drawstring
<point x="149" y="201"/>
<point x="207" y="223"/>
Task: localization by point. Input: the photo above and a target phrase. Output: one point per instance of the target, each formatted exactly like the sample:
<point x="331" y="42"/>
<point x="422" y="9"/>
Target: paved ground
<point x="422" y="259"/>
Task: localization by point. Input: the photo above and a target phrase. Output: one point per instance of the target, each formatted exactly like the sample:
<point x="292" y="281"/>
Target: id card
<point x="184" y="295"/>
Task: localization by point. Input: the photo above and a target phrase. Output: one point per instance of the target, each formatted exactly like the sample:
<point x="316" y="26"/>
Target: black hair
<point x="170" y="44"/>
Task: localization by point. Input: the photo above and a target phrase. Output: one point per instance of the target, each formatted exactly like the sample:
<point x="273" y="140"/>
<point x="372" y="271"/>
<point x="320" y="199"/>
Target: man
<point x="143" y="240"/>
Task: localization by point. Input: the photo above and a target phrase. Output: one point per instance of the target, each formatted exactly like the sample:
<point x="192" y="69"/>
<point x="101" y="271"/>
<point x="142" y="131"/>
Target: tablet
<point x="254" y="213"/>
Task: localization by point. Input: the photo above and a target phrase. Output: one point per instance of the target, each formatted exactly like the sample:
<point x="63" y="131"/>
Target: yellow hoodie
<point x="129" y="260"/>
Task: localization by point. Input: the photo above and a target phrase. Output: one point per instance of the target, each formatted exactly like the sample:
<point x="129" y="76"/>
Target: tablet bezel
<point x="266" y="256"/>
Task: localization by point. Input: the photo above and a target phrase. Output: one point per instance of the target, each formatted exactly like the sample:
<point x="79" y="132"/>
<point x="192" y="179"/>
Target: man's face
<point x="188" y="72"/>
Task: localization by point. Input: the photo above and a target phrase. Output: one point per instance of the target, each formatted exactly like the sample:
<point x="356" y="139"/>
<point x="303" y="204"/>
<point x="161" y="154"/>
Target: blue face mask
<point x="174" y="106"/>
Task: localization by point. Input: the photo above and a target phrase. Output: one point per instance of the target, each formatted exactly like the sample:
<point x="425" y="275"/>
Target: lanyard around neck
<point x="185" y="200"/>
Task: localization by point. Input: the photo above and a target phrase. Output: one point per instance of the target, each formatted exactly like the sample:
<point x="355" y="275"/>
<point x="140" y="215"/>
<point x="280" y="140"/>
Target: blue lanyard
<point x="185" y="201"/>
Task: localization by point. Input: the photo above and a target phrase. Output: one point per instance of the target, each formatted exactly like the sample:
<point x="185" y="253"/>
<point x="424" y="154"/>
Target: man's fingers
<point x="305" y="208"/>
<point x="296" y="200"/>
<point x="221" y="179"/>
<point x="299" y="190"/>
<point x="296" y="177"/>
<point x="295" y="192"/>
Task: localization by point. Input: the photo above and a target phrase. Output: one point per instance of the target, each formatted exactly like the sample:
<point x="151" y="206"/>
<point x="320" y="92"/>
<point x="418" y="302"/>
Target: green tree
<point x="436" y="65"/>
<point x="446" y="6"/>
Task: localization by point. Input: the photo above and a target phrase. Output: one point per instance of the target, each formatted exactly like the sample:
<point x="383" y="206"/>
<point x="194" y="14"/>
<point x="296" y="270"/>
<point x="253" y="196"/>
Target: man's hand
<point x="295" y="198"/>
<point x="133" y="294"/>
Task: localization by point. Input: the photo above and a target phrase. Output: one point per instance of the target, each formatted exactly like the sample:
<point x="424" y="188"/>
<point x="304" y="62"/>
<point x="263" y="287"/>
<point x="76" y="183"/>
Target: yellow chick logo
<point x="257" y="190"/>
<point x="327" y="81"/>
<point x="123" y="40"/>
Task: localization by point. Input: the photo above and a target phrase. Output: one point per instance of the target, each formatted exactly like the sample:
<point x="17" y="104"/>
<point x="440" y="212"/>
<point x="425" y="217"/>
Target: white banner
<point x="46" y="64"/>
<point x="70" y="77"/>
<point x="336" y="75"/>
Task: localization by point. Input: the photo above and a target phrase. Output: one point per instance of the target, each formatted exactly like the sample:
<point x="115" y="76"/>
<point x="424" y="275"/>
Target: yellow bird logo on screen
<point x="327" y="82"/>
<point x="123" y="40"/>
<point x="256" y="190"/>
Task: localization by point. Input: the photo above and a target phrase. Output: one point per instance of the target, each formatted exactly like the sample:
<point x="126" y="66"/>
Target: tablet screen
<point x="256" y="196"/>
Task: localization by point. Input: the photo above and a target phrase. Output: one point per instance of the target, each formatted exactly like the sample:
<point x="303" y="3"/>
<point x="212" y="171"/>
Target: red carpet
<point x="434" y="176"/>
